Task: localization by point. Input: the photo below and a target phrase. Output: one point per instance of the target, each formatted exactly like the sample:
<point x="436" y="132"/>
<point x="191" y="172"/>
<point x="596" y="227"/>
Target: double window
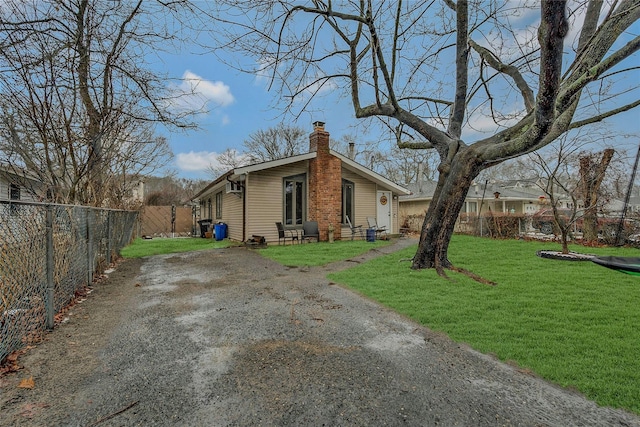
<point x="347" y="200"/>
<point x="294" y="200"/>
<point x="470" y="207"/>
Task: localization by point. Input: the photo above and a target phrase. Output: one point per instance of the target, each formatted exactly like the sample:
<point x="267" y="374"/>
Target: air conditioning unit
<point x="233" y="187"/>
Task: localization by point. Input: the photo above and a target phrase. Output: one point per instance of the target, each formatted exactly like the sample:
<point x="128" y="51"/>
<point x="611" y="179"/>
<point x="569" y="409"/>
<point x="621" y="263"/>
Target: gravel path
<point x="228" y="338"/>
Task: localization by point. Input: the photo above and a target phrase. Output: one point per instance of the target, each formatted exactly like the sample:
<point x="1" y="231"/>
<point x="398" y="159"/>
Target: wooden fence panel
<point x="157" y="221"/>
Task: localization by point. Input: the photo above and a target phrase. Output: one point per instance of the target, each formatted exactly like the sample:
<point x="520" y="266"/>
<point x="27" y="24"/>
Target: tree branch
<point x="553" y="28"/>
<point x="603" y="116"/>
<point x="509" y="70"/>
<point x="462" y="69"/>
<point x="597" y="70"/>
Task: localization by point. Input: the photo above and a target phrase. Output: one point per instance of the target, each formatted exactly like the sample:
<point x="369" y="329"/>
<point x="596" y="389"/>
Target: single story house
<point x="17" y="184"/>
<point x="321" y="185"/>
<point x="502" y="198"/>
<point x="494" y="198"/>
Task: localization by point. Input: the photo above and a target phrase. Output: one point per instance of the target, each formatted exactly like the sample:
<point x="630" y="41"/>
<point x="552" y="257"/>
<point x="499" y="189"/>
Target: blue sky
<point x="239" y="104"/>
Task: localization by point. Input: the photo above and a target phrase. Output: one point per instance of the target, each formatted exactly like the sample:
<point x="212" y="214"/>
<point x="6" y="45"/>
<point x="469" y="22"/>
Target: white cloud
<point x="197" y="161"/>
<point x="204" y="161"/>
<point x="196" y="93"/>
<point x="264" y="69"/>
<point x="481" y="125"/>
<point x="523" y="12"/>
<point x="225" y="120"/>
<point x="316" y="85"/>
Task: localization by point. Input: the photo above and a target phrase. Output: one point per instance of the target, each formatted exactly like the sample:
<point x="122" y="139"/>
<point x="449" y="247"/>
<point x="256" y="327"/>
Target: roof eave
<point x="243" y="170"/>
<point x="374" y="176"/>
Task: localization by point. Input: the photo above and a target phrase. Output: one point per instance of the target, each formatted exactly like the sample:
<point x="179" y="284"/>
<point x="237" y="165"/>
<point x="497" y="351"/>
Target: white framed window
<point x="348" y="200"/>
<point x="294" y="189"/>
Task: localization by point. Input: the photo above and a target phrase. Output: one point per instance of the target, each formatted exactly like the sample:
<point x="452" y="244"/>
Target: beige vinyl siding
<point x="204" y="209"/>
<point x="231" y="210"/>
<point x="232" y="214"/>
<point x="413" y="207"/>
<point x="264" y="192"/>
<point x="395" y="218"/>
<point x="25" y="193"/>
<point x="364" y="203"/>
<point x="4" y="190"/>
<point x="411" y="213"/>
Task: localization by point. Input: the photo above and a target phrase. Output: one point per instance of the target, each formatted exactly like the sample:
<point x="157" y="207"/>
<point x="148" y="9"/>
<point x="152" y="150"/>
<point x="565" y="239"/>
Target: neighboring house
<point x="510" y="197"/>
<point x="634" y="205"/>
<point x="480" y="198"/>
<point x="18" y="185"/>
<point x="321" y="185"/>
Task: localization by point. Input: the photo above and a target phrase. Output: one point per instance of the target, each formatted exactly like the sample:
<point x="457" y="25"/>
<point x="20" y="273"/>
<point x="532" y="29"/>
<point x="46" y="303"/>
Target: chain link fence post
<point x="49" y="297"/>
<point x="109" y="238"/>
<point x="90" y="232"/>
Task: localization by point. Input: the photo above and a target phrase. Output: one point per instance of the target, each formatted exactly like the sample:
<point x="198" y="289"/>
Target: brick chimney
<point x="325" y="184"/>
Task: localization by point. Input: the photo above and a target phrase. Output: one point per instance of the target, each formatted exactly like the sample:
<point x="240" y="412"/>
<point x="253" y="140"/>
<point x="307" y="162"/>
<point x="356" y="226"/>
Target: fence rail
<point x="510" y="226"/>
<point x="48" y="253"/>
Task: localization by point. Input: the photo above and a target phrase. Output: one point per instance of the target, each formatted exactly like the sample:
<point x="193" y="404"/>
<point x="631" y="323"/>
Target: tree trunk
<point x="564" y="239"/>
<point x="591" y="175"/>
<point x="453" y="184"/>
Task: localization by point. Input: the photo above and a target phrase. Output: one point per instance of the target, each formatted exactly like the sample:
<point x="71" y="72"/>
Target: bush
<point x="499" y="226"/>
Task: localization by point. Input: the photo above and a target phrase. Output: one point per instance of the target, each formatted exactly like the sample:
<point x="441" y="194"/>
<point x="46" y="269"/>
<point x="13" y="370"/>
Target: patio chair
<point x="310" y="231"/>
<point x="355" y="229"/>
<point x="373" y="224"/>
<point x="283" y="234"/>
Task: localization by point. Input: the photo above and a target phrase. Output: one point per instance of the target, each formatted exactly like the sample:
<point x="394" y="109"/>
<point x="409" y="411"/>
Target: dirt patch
<point x="58" y="364"/>
<point x="227" y="337"/>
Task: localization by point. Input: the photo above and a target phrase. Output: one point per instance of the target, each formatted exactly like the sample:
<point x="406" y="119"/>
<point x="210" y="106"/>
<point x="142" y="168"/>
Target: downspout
<point x="244" y="208"/>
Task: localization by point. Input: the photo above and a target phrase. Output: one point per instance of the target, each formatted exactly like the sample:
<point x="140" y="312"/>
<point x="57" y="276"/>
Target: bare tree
<point x="438" y="66"/>
<point x="593" y="167"/>
<point x="261" y="146"/>
<point x="511" y="170"/>
<point x="227" y="160"/>
<point x="407" y="166"/>
<point x="275" y="143"/>
<point x="555" y="172"/>
<point x="78" y="102"/>
<point x="400" y="166"/>
<point x="169" y="190"/>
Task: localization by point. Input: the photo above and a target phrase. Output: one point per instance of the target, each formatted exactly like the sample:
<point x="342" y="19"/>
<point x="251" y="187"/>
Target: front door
<point x="383" y="216"/>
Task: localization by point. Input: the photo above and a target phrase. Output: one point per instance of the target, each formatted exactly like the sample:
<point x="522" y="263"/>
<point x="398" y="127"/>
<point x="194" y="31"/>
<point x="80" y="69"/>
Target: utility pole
<point x="619" y="241"/>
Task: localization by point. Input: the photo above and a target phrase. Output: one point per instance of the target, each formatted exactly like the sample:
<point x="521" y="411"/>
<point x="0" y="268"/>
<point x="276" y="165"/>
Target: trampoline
<point x="629" y="265"/>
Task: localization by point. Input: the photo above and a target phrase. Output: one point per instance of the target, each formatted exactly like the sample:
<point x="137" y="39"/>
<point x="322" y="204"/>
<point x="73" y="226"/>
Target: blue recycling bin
<point x="220" y="230"/>
<point x="371" y="234"/>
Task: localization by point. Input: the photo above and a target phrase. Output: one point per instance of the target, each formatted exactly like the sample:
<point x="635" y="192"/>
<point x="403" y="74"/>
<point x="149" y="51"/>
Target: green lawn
<point x="574" y="323"/>
<point x="143" y="247"/>
<point x="311" y="254"/>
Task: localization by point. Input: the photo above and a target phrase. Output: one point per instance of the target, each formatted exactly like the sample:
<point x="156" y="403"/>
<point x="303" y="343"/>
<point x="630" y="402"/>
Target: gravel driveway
<point x="227" y="338"/>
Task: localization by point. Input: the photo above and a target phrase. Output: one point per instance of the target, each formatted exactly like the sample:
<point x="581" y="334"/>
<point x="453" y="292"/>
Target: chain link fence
<point x="506" y="226"/>
<point x="48" y="253"/>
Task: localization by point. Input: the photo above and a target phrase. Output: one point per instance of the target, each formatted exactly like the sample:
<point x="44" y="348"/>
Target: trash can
<point x="204" y="226"/>
<point x="221" y="230"/>
<point x="371" y="234"/>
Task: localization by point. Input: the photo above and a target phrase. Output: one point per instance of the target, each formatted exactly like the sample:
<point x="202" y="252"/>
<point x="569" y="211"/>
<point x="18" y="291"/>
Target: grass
<point x="143" y="247"/>
<point x="313" y="254"/>
<point x="574" y="323"/>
